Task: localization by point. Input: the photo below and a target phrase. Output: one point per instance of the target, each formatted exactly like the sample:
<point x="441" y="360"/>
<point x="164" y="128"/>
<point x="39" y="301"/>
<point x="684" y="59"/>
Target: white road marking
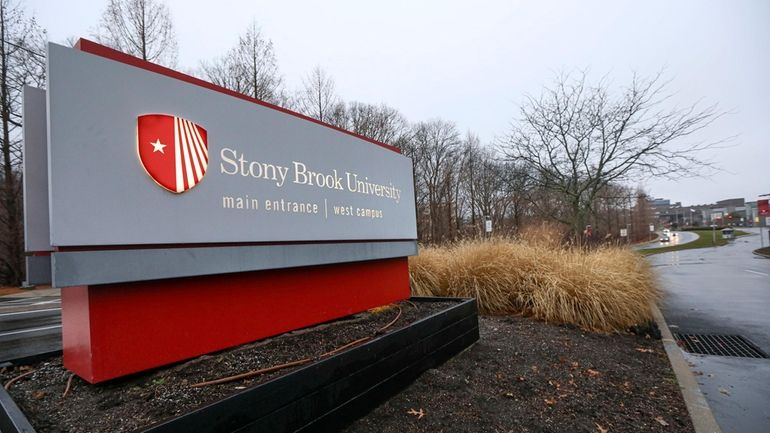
<point x="24" y="331"/>
<point x="20" y="300"/>
<point x="56" y="301"/>
<point x="29" y="312"/>
<point x="757" y="272"/>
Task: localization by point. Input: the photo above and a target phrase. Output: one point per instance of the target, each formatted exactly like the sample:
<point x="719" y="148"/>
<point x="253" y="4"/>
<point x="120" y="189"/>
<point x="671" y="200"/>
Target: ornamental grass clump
<point x="606" y="289"/>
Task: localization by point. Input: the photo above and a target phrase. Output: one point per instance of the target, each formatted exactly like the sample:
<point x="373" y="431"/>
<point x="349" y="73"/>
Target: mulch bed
<point x="527" y="376"/>
<point x="522" y="376"/>
<point x="127" y="404"/>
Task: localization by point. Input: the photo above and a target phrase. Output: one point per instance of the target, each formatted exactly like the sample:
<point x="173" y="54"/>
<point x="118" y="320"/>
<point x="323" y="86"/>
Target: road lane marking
<point x="55" y="301"/>
<point x="29" y="312"/>
<point x="24" y="331"/>
<point x="757" y="272"/>
<point x="19" y="300"/>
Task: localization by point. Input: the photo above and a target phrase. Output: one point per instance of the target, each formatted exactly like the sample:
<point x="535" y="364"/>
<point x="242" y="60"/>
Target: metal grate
<point x="720" y="345"/>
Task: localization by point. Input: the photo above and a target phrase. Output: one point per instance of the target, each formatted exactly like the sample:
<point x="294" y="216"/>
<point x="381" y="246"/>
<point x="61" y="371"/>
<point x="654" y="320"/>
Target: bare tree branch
<point x="577" y="139"/>
<point x="141" y="28"/>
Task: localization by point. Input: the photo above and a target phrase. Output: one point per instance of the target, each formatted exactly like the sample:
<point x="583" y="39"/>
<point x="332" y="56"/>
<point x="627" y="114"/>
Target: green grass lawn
<point x="705" y="239"/>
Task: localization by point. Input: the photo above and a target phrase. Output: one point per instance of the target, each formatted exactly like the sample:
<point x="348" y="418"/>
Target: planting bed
<point x="336" y="384"/>
<point x="528" y="376"/>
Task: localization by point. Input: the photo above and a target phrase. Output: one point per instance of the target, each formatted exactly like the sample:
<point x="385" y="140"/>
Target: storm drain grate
<point x="720" y="345"/>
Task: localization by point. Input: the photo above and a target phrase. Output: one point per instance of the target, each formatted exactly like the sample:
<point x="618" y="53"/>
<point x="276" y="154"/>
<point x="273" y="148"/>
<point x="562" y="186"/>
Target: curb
<point x="700" y="413"/>
<point x="757" y="253"/>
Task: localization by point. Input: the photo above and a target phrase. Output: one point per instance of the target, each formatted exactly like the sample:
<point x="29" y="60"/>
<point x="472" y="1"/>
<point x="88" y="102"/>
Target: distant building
<point x="732" y="211"/>
<point x="752" y="215"/>
<point x="731" y="203"/>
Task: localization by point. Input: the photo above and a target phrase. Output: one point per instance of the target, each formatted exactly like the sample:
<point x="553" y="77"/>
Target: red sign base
<point x="117" y="329"/>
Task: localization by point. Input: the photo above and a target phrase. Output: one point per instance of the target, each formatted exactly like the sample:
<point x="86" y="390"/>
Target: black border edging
<point x="12" y="420"/>
<point x="327" y="394"/>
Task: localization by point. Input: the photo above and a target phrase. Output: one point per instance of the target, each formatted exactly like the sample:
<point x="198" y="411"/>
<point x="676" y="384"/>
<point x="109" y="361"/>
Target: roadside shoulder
<point x="702" y="418"/>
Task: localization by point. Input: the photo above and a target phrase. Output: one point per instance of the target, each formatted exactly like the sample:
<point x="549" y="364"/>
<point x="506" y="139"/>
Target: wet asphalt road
<point x="29" y="326"/>
<point x="679" y="239"/>
<point x="724" y="290"/>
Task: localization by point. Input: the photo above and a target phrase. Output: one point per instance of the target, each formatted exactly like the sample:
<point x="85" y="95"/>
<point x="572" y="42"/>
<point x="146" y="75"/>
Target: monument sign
<point x="181" y="218"/>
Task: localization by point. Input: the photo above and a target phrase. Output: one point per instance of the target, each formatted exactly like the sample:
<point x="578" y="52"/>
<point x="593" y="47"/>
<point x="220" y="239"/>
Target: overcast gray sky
<point x="472" y="61"/>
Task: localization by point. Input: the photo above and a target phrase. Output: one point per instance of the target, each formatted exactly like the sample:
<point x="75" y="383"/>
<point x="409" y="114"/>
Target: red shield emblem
<point x="173" y="151"/>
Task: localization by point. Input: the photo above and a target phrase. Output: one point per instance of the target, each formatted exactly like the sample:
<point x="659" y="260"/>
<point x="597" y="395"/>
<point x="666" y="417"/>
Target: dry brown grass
<point x="604" y="290"/>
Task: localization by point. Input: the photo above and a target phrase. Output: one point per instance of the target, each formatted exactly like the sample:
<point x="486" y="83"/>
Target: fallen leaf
<point x="601" y="429"/>
<point x="592" y="372"/>
<point x="724" y="391"/>
<point x="643" y="350"/>
<point x="508" y="394"/>
<point x="418" y="413"/>
<point x="550" y="401"/>
<point x="661" y="421"/>
<point x="521" y="378"/>
<point x="37" y="395"/>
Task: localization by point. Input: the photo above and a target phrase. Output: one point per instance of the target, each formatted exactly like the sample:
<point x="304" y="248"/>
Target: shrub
<point x="606" y="289"/>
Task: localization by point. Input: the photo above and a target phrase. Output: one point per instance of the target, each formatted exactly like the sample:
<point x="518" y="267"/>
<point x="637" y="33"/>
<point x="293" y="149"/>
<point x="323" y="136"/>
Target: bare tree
<point x="577" y="139"/>
<point x="437" y="153"/>
<point x="249" y="68"/>
<point x="613" y="209"/>
<point x="317" y="98"/>
<point x="642" y="215"/>
<point x="22" y="44"/>
<point x="379" y="122"/>
<point x="338" y="115"/>
<point x="491" y="198"/>
<point x="141" y="28"/>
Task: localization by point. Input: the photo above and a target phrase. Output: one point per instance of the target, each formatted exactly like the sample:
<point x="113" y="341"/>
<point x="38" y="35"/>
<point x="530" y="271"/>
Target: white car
<point x="666" y="232"/>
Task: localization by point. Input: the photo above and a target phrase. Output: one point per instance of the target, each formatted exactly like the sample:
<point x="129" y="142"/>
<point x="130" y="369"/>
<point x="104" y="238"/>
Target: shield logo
<point x="173" y="151"/>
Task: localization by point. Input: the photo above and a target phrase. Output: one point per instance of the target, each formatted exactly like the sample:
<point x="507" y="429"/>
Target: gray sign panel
<point x="36" y="235"/>
<point x="270" y="176"/>
<point x="77" y="268"/>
